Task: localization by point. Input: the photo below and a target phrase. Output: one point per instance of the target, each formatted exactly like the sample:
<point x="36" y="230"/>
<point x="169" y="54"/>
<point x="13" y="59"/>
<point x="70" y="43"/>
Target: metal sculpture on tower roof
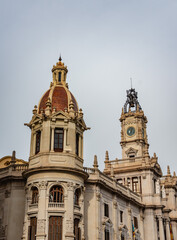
<point x="132" y="101"/>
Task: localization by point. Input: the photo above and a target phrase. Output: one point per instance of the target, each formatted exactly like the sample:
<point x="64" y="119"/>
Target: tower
<point x="55" y="178"/>
<point x="134" y="140"/>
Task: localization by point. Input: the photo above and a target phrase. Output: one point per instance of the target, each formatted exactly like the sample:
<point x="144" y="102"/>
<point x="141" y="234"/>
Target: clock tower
<point x="134" y="140"/>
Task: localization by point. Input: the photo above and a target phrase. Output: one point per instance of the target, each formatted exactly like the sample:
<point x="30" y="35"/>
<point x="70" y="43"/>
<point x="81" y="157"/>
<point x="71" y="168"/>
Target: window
<point x="55" y="228"/>
<point x="32" y="229"/>
<point x="59" y="77"/>
<point x="58" y="140"/>
<point x="106" y="233"/>
<point x="77" y="230"/>
<point x="38" y="140"/>
<point x="106" y="210"/>
<point x="121" y="216"/>
<point x="34" y="195"/>
<point x="77" y="144"/>
<point x="76" y="197"/>
<point x="56" y="194"/>
<point x="135" y="221"/>
<point x="135" y="184"/>
<point x="119" y="180"/>
<point x="128" y="182"/>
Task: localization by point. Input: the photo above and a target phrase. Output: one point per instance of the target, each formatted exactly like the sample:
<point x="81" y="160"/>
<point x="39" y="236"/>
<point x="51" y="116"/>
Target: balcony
<point x="56" y="205"/>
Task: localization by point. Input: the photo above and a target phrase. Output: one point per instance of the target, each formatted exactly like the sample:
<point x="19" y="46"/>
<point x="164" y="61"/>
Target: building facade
<point x="54" y="197"/>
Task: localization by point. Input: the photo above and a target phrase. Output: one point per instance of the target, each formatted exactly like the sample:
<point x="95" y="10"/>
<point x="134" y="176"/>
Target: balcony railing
<point x="56" y="205"/>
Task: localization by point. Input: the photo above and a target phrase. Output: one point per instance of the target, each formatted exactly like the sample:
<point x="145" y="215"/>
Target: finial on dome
<point x="60" y="59"/>
<point x="95" y="162"/>
<point x="174" y="174"/>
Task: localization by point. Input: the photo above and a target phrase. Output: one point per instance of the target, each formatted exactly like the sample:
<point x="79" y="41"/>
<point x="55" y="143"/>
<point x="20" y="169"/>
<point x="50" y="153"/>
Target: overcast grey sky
<point x="103" y="43"/>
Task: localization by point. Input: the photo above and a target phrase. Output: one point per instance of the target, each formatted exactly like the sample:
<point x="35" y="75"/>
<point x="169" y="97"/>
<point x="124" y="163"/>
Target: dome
<point x="58" y="95"/>
<point x="60" y="98"/>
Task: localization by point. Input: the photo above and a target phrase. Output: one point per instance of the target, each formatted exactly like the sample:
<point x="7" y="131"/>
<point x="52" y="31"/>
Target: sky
<point x="104" y="43"/>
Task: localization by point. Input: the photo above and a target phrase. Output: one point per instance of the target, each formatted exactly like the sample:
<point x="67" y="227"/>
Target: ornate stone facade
<point x="61" y="199"/>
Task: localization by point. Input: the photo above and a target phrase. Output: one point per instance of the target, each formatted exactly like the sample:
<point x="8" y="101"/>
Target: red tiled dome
<point x="60" y="98"/>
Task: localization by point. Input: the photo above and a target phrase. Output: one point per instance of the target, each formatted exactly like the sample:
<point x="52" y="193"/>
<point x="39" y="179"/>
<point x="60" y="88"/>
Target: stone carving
<point x="157" y="186"/>
<point x="41" y="225"/>
<point x="43" y="185"/>
<point x="70" y="186"/>
<point x="163" y="192"/>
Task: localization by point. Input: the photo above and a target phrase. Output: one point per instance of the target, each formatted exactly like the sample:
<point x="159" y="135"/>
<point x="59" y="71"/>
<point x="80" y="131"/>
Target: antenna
<point x="131" y="82"/>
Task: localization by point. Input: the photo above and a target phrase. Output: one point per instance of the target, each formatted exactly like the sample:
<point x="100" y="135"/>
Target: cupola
<point x="58" y="96"/>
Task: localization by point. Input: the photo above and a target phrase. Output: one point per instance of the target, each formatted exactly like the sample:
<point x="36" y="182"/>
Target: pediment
<point x="131" y="151"/>
<point x="82" y="123"/>
<point x="107" y="221"/>
<point x="123" y="228"/>
<point x="60" y="115"/>
<point x="35" y="119"/>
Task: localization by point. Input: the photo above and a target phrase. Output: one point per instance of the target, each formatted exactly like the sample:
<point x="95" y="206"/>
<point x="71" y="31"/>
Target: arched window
<point x="56" y="194"/>
<point x="35" y="194"/>
<point x="76" y="197"/>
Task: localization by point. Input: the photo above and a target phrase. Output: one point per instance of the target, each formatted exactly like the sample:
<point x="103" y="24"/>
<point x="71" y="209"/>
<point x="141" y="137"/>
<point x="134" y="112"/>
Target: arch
<point x="56" y="194"/>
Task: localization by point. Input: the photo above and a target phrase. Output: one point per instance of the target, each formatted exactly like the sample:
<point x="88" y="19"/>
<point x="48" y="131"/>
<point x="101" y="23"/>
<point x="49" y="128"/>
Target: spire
<point x="95" y="162"/>
<point x="60" y="59"/>
<point x="107" y="157"/>
<point x="168" y="171"/>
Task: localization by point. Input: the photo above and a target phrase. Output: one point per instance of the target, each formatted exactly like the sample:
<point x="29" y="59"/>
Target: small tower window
<point x="38" y="140"/>
<point x="58" y="140"/>
<point x="77" y="144"/>
<point x="59" y="77"/>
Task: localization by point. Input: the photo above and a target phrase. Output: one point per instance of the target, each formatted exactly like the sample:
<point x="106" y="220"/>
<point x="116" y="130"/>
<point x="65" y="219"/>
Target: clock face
<point x="131" y="131"/>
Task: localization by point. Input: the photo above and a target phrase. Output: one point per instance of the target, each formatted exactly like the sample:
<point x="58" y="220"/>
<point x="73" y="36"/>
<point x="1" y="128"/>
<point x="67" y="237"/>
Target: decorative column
<point x="65" y="138"/>
<point x="81" y="203"/>
<point x="173" y="223"/>
<point x="25" y="223"/>
<point x="161" y="230"/>
<point x="129" y="222"/>
<point x="52" y="139"/>
<point x="80" y="146"/>
<point x="97" y="210"/>
<point x="115" y="222"/>
<point x="168" y="229"/>
<point x="41" y="219"/>
<point x="34" y="144"/>
<point x="70" y="213"/>
<point x="141" y="225"/>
